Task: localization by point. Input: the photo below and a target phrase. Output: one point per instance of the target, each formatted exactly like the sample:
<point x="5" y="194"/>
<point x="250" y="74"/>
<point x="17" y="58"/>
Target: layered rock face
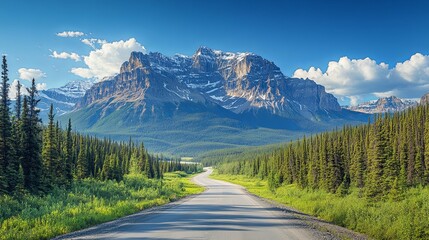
<point x="237" y="82"/>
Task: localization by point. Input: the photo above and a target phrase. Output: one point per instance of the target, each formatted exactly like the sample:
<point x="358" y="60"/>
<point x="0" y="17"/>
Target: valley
<point x="214" y="119"/>
<point x="212" y="100"/>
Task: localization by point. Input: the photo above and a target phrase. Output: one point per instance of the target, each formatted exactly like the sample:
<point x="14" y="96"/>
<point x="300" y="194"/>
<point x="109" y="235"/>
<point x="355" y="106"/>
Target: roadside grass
<point x="406" y="218"/>
<point x="87" y="203"/>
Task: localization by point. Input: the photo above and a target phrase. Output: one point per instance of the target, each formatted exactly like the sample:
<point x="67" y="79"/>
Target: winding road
<point x="223" y="211"/>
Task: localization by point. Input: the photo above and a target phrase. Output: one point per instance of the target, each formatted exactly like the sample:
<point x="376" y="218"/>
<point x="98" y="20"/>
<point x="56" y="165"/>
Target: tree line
<point x="380" y="159"/>
<point x="36" y="158"/>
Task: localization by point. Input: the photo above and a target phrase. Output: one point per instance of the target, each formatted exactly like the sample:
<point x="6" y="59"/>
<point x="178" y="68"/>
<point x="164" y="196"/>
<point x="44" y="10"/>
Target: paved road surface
<point x="223" y="211"/>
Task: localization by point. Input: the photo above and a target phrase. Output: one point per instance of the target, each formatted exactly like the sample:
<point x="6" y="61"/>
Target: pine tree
<point x="7" y="173"/>
<point x="31" y="151"/>
<point x="49" y="152"/>
<point x="14" y="162"/>
<point x="426" y="144"/>
<point x="376" y="158"/>
<point x="148" y="166"/>
<point x="358" y="163"/>
<point x="69" y="155"/>
<point x="391" y="166"/>
<point x="18" y="103"/>
<point x="82" y="162"/>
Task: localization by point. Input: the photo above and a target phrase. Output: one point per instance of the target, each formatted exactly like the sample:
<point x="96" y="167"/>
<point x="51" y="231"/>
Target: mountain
<point x="242" y="82"/>
<point x="63" y="98"/>
<point x="384" y="105"/>
<point x="424" y="99"/>
<point x="212" y="99"/>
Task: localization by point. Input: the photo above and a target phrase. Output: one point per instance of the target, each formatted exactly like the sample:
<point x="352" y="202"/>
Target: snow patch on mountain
<point x="384" y="105"/>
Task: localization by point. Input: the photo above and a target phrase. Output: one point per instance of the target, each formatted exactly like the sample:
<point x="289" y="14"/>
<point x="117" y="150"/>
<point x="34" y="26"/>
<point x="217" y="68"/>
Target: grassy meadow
<point x="87" y="203"/>
<point x="405" y="217"/>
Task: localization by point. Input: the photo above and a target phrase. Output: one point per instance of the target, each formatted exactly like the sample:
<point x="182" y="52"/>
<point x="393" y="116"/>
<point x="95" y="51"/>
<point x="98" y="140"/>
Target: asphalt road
<point x="223" y="211"/>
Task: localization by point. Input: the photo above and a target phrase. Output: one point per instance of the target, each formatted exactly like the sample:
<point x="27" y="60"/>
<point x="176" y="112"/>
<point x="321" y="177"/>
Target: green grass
<point x="88" y="203"/>
<point x="406" y="218"/>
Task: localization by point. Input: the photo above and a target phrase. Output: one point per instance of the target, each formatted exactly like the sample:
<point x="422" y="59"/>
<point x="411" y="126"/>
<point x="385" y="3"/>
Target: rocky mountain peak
<point x="424" y="99"/>
<point x="391" y="101"/>
<point x="383" y="105"/>
<point x="137" y="60"/>
<point x="238" y="82"/>
<point x="204" y="60"/>
<point x="204" y="51"/>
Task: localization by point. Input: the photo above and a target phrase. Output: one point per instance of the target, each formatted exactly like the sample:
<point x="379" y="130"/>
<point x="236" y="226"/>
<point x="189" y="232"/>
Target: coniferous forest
<point x="381" y="158"/>
<point x="36" y="158"/>
<point x="371" y="178"/>
<point x="54" y="180"/>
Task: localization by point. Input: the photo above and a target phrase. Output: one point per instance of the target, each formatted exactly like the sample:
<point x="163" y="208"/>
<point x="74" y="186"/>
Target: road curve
<point x="223" y="211"/>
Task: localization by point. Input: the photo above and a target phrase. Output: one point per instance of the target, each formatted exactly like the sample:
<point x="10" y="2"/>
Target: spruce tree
<point x="376" y="158"/>
<point x="426" y="144"/>
<point x="15" y="166"/>
<point x="18" y="103"/>
<point x="82" y="162"/>
<point x="49" y="152"/>
<point x="31" y="142"/>
<point x="148" y="165"/>
<point x="69" y="155"/>
<point x="7" y="174"/>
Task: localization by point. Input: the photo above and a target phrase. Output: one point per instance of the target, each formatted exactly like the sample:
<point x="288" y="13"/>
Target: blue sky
<point x="293" y="34"/>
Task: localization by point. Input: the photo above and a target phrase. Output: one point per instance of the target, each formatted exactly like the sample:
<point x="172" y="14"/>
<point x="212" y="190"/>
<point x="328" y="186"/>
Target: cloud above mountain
<point x="106" y="60"/>
<point x="93" y="41"/>
<point x="30" y="73"/>
<point x="70" y="34"/>
<point x="66" y="55"/>
<point x="354" y="78"/>
<point x="13" y="91"/>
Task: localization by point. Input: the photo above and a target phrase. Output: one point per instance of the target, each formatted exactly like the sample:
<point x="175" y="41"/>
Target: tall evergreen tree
<point x="31" y="142"/>
<point x="15" y="167"/>
<point x="82" y="162"/>
<point x="18" y="101"/>
<point x="148" y="166"/>
<point x="49" y="152"/>
<point x="69" y="155"/>
<point x="6" y="149"/>
<point x="426" y="143"/>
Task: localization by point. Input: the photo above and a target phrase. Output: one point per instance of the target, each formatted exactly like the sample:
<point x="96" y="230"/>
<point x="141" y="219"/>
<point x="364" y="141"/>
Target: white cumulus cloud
<point x="30" y="73"/>
<point x="13" y="92"/>
<point x="356" y="78"/>
<point x="65" y="55"/>
<point x="93" y="41"/>
<point x="70" y="34"/>
<point x="106" y="60"/>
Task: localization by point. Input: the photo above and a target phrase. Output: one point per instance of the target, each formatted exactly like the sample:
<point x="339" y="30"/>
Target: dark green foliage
<point x="50" y="154"/>
<point x="381" y="159"/>
<point x="38" y="159"/>
<point x="68" y="155"/>
<point x="6" y="150"/>
<point x="31" y="142"/>
<point x="82" y="162"/>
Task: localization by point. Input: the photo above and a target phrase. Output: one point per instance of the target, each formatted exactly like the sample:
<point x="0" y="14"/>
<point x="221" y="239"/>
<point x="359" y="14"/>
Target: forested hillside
<point x="36" y="158"/>
<point x="371" y="178"/>
<point x="54" y="181"/>
<point x="380" y="159"/>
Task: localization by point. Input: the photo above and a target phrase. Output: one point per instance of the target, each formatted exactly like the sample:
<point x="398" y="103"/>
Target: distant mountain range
<point x="383" y="105"/>
<point x="64" y="98"/>
<point x="210" y="100"/>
